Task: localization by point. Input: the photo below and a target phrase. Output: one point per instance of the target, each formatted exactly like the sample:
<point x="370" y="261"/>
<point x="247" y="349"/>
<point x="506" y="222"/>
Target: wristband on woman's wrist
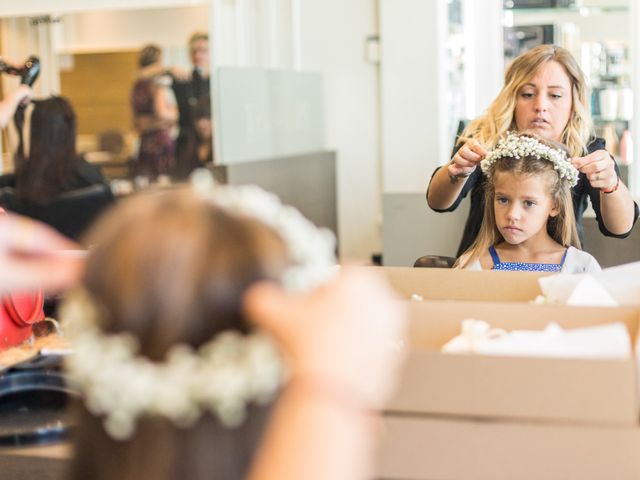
<point x="455" y="178"/>
<point x="607" y="191"/>
<point x="329" y="391"/>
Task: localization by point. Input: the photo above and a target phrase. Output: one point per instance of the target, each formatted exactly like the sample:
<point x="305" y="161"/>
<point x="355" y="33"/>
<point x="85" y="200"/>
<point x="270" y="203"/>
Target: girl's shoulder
<point x="483" y="262"/>
<point x="579" y="261"/>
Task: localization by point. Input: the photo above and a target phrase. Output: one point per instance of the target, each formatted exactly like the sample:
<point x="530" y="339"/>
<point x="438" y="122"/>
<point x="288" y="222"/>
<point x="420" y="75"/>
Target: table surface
<point x="40" y="462"/>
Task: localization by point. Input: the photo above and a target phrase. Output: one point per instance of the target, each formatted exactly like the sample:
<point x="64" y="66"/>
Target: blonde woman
<point x="544" y="91"/>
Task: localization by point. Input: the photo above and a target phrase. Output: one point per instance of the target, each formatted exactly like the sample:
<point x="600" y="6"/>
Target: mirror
<point x="91" y="57"/>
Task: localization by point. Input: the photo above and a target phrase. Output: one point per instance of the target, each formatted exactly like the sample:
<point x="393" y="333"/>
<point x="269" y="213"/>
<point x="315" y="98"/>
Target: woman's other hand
<point x="466" y="159"/>
<point x="32" y="255"/>
<point x="23" y="94"/>
<point x="599" y="167"/>
<point x="348" y="334"/>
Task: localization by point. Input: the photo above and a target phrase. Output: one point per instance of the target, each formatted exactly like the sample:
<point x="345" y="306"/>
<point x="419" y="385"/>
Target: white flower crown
<point x="518" y="146"/>
<point x="225" y="374"/>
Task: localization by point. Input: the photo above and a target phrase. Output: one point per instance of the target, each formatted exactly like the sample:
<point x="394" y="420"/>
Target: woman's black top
<point x="580" y="193"/>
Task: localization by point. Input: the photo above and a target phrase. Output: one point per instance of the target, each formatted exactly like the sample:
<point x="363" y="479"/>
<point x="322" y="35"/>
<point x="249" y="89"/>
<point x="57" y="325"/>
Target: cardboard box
<point x="454" y="449"/>
<point x="448" y="284"/>
<point x="494" y="417"/>
<point x="574" y="390"/>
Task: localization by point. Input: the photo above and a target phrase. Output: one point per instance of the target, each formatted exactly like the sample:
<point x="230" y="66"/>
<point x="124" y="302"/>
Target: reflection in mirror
<point x="92" y="58"/>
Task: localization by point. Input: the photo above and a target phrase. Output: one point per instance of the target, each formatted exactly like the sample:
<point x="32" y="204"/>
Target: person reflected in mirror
<point x="198" y="149"/>
<point x="9" y="104"/>
<point x="544" y="91"/>
<point x="155" y="116"/>
<point x="19" y="96"/>
<point x="188" y="91"/>
<point x="53" y="183"/>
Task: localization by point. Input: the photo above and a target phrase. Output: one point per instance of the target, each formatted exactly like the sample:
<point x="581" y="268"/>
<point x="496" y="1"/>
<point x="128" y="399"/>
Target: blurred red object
<point x="18" y="313"/>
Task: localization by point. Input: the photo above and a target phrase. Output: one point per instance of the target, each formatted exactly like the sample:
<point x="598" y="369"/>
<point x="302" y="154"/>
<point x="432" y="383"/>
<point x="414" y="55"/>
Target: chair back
<point x="434" y="261"/>
<point x="71" y="213"/>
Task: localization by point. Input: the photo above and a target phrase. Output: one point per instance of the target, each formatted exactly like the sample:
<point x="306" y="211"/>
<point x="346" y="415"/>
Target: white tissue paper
<point x="576" y="289"/>
<point x="614" y="286"/>
<point x="601" y="341"/>
<point x="622" y="283"/>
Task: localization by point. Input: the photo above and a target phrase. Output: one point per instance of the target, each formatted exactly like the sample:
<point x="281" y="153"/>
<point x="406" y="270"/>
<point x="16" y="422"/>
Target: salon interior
<point x="344" y="109"/>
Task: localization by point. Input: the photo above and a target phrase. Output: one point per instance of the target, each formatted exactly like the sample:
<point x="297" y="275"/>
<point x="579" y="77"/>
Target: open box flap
<point x="447" y="284"/>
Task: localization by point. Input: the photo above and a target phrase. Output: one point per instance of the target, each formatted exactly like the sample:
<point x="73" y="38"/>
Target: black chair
<point x="71" y="213"/>
<point x="434" y="261"/>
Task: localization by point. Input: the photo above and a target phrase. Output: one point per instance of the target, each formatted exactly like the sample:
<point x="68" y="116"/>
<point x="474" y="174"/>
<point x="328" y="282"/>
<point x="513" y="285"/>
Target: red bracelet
<point x="612" y="189"/>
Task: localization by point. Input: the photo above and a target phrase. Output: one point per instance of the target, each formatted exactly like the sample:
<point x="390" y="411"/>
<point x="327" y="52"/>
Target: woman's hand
<point x="180" y="74"/>
<point x="22" y="94"/>
<point x="348" y="333"/>
<point x="32" y="255"/>
<point x="599" y="167"/>
<point x="466" y="159"/>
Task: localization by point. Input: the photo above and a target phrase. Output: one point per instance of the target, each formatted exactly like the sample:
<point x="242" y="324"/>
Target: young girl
<point x="176" y="379"/>
<point x="528" y="219"/>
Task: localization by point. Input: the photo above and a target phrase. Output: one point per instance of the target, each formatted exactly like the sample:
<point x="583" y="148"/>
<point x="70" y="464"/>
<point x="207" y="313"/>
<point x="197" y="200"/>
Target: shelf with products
<point x="584" y="11"/>
<point x="617" y="137"/>
<point x="579" y="7"/>
<point x="599" y="44"/>
<point x="621" y="122"/>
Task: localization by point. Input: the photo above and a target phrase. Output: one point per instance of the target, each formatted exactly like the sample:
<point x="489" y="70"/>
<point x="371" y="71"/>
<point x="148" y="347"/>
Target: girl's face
<point x="544" y="103"/>
<point x="522" y="206"/>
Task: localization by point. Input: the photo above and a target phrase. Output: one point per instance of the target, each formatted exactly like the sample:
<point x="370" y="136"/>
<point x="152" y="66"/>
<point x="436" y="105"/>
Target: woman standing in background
<point x="155" y="115"/>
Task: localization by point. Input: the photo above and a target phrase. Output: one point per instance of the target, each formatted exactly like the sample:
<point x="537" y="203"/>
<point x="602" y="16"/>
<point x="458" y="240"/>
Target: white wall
<point x="104" y="31"/>
<point x="123" y="29"/>
<point x="38" y="7"/>
<point x="484" y="59"/>
<point x="634" y="172"/>
<point x="253" y="33"/>
<point x="413" y="80"/>
<point x="332" y="36"/>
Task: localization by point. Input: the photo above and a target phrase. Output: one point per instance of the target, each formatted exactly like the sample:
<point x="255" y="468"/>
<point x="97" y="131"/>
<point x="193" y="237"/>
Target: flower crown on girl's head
<point x="523" y="145"/>
<point x="221" y="377"/>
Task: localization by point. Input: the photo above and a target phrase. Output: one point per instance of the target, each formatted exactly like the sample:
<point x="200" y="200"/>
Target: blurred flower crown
<point x="524" y="145"/>
<point x="221" y="377"/>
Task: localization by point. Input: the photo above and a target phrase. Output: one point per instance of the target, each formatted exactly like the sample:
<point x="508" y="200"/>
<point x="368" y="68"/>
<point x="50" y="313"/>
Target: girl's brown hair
<point x="171" y="268"/>
<point x="562" y="227"/>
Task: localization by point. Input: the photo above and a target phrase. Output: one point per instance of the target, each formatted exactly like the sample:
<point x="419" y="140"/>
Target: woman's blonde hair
<point x="500" y="116"/>
<point x="562" y="227"/>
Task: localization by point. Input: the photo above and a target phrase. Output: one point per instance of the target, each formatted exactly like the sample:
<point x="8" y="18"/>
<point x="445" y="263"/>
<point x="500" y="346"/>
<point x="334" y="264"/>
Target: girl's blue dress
<point x="526" y="267"/>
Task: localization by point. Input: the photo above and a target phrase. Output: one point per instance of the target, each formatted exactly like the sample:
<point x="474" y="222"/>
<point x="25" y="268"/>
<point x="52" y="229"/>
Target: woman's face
<point x="544" y="103"/>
